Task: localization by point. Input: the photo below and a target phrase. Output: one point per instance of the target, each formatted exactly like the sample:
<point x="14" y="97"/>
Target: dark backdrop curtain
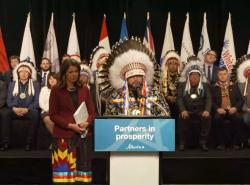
<point x="13" y="14"/>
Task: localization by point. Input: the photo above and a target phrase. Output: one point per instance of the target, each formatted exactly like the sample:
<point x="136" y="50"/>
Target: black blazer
<point x="8" y="77"/>
<point x="39" y="76"/>
<point x="184" y="102"/>
<point x="235" y="96"/>
<point x="214" y="74"/>
<point x="3" y="93"/>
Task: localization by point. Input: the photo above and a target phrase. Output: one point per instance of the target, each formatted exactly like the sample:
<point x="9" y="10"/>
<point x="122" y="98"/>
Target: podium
<point x="134" y="144"/>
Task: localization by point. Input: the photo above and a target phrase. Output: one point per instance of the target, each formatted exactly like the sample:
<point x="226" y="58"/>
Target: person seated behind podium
<point x="227" y="105"/>
<point x="52" y="81"/>
<point x="22" y="102"/>
<point x="194" y="101"/>
<point x="64" y="101"/>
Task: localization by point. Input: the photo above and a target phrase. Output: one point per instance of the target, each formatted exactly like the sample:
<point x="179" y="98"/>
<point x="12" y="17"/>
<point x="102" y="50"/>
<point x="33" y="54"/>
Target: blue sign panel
<point x="124" y="135"/>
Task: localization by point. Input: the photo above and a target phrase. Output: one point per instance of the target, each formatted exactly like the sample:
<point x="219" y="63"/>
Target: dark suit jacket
<point x="235" y="96"/>
<point x="1" y="76"/>
<point x="3" y="93"/>
<point x="214" y="74"/>
<point x="7" y="77"/>
<point x="39" y="76"/>
<point x="61" y="109"/>
<point x="31" y="102"/>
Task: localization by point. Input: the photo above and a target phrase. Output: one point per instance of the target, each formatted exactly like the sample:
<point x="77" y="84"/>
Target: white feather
<point x="171" y="54"/>
<point x="87" y="68"/>
<point x="96" y="57"/>
<point x="126" y="58"/>
<point x="188" y="68"/>
<point x="33" y="71"/>
<point x="240" y="71"/>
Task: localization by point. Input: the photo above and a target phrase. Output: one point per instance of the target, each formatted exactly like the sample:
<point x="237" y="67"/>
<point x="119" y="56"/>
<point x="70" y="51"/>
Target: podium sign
<point x="134" y="134"/>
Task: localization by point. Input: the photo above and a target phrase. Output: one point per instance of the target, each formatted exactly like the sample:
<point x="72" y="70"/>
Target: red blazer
<point x="61" y="110"/>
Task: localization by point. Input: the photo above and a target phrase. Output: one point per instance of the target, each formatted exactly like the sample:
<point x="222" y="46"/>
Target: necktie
<point x="43" y="79"/>
<point x="209" y="73"/>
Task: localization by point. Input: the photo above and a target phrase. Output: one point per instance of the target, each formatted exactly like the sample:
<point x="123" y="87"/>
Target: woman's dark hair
<point x="55" y="76"/>
<point x="64" y="68"/>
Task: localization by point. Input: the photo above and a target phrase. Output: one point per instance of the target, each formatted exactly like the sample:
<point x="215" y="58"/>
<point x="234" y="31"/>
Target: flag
<point x="124" y="29"/>
<point x="168" y="43"/>
<point x="186" y="44"/>
<point x="148" y="38"/>
<point x="248" y="50"/>
<point x="4" y="65"/>
<point x="73" y="44"/>
<point x="228" y="58"/>
<point x="50" y="48"/>
<point x="104" y="39"/>
<point x="204" y="39"/>
<point x="27" y="50"/>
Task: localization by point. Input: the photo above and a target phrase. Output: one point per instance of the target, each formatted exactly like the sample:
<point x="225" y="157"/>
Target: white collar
<point x="211" y="65"/>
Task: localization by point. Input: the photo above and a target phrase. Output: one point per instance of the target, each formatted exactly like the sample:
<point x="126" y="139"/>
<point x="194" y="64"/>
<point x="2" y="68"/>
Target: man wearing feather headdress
<point x="170" y="69"/>
<point x="243" y="78"/>
<point x="241" y="74"/>
<point x="86" y="75"/>
<point x="23" y="102"/>
<point x="98" y="58"/>
<point x="131" y="77"/>
<point x="194" y="101"/>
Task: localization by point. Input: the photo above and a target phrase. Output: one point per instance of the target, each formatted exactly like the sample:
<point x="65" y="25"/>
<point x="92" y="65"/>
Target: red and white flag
<point x="186" y="44"/>
<point x="228" y="57"/>
<point x="27" y="50"/>
<point x="148" y="38"/>
<point x="73" y="44"/>
<point x="50" y="48"/>
<point x="104" y="39"/>
<point x="4" y="65"/>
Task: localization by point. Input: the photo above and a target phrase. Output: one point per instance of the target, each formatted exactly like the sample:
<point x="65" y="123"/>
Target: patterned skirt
<point x="71" y="160"/>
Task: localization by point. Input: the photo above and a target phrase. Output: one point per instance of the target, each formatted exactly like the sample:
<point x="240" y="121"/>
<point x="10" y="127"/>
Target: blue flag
<point x="124" y="29"/>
